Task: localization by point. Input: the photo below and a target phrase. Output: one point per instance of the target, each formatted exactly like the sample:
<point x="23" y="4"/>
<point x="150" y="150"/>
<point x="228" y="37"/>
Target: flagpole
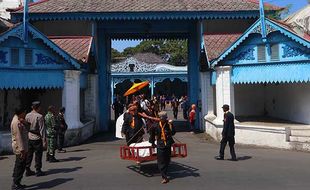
<point x="25" y="21"/>
<point x="262" y="19"/>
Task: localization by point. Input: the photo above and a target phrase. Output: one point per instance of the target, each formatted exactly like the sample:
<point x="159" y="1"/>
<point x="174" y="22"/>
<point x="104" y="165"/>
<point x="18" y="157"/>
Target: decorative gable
<point x="282" y="45"/>
<point x="38" y="52"/>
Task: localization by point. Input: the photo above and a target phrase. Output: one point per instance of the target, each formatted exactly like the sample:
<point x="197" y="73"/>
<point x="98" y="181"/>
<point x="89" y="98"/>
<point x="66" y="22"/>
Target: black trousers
<point x="163" y="160"/>
<point x="231" y="141"/>
<point x="185" y="114"/>
<point x="35" y="146"/>
<point x="175" y="113"/>
<point x="60" y="140"/>
<point x="19" y="169"/>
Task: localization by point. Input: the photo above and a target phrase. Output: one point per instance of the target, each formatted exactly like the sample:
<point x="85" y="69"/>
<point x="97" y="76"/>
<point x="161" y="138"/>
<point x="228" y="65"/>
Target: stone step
<point x="301" y="139"/>
<point x="301" y="146"/>
<point x="300" y="132"/>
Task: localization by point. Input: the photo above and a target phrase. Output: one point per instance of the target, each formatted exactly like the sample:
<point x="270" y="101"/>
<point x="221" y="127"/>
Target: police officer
<point x="19" y="132"/>
<point x="51" y="134"/>
<point x="228" y="134"/>
<point x="37" y="139"/>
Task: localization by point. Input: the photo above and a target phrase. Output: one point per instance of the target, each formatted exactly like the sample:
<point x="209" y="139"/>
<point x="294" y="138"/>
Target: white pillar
<point x="224" y="92"/>
<point x="91" y="98"/>
<point x="71" y="98"/>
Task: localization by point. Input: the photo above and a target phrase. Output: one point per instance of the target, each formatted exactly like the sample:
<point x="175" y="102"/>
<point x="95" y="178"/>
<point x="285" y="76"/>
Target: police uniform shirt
<point x="19" y="136"/>
<point x="37" y="123"/>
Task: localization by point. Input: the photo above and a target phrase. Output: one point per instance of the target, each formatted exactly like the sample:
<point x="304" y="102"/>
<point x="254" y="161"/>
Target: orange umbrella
<point x="136" y="87"/>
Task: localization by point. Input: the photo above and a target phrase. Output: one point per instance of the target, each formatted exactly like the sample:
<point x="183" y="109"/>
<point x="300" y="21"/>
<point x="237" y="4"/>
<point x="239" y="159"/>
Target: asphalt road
<point x="96" y="165"/>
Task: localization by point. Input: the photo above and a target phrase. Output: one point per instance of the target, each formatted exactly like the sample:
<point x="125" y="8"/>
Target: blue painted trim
<point x="17" y="31"/>
<point x="237" y="43"/>
<point x="31" y="79"/>
<point x="53" y="46"/>
<point x="160" y="15"/>
<point x="289" y="34"/>
<point x="272" y="24"/>
<point x="271" y="73"/>
<point x="213" y="77"/>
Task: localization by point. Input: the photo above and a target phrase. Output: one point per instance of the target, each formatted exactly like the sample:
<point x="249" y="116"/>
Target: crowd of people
<point x="157" y="104"/>
<point x="31" y="134"/>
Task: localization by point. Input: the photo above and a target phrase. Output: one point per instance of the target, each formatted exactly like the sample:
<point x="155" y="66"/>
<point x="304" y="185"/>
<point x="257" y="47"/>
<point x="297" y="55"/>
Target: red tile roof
<point x="216" y="44"/>
<point x="77" y="46"/>
<point x="58" y="6"/>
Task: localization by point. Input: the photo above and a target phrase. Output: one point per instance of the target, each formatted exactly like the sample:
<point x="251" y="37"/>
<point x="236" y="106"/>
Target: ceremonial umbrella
<point x="136" y="87"/>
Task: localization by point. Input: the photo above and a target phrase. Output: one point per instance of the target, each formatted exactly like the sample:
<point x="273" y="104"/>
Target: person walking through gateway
<point x="163" y="132"/>
<point x="228" y="134"/>
<point x="37" y="139"/>
<point x="61" y="130"/>
<point x="19" y="132"/>
<point x="51" y="134"/>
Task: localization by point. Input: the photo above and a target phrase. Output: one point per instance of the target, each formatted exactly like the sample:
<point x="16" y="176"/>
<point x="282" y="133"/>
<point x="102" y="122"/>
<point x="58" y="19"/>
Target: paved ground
<point x="96" y="165"/>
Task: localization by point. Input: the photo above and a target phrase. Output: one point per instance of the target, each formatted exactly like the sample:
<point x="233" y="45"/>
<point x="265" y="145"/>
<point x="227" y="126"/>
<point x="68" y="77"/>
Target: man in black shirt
<point x="228" y="134"/>
<point x="163" y="132"/>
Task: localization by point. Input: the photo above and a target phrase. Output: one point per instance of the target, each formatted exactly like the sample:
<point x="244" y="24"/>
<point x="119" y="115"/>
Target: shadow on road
<point x="79" y="150"/>
<point x="72" y="159"/>
<point x="49" y="184"/>
<point x="176" y="170"/>
<point x="62" y="170"/>
<point x="244" y="158"/>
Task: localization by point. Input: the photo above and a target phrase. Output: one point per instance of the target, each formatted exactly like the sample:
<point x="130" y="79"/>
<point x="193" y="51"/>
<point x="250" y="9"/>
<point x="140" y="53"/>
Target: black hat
<point x="225" y="106"/>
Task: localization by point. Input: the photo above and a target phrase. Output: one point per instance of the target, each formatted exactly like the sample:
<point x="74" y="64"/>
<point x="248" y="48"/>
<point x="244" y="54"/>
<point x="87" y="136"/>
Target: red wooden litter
<point x="178" y="150"/>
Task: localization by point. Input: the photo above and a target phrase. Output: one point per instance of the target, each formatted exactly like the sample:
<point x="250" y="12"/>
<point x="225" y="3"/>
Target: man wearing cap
<point x="19" y="132"/>
<point x="163" y="132"/>
<point x="37" y="139"/>
<point x="228" y="134"/>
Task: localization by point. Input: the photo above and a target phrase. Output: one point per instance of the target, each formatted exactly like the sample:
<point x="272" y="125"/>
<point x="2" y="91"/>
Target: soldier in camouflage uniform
<point x="51" y="134"/>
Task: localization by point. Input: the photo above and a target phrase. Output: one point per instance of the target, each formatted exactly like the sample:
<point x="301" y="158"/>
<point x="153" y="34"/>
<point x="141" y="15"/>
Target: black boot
<point x="40" y="173"/>
<point x="29" y="172"/>
<point x="47" y="157"/>
<point x="53" y="159"/>
<point x="18" y="187"/>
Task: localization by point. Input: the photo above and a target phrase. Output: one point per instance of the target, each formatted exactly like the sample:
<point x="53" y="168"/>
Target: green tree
<point x="175" y="51"/>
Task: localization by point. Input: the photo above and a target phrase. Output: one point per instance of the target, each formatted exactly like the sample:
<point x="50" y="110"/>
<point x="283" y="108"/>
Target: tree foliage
<point x="173" y="51"/>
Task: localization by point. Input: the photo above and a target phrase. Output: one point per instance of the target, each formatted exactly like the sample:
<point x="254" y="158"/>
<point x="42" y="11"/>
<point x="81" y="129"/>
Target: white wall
<point x="289" y="101"/>
<point x="249" y="100"/>
<point x="284" y="101"/>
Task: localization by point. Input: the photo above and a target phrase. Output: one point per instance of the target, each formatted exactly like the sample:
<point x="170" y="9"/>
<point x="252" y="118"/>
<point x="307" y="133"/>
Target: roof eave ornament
<point x="262" y="19"/>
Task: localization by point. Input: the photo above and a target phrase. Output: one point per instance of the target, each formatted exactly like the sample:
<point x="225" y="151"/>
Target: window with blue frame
<point x="14" y="56"/>
<point x="275" y="52"/>
<point x="28" y="56"/>
<point x="261" y="53"/>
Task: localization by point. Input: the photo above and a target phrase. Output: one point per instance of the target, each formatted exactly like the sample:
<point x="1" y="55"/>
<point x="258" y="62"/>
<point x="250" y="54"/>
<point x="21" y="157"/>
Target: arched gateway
<point x="146" y="19"/>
